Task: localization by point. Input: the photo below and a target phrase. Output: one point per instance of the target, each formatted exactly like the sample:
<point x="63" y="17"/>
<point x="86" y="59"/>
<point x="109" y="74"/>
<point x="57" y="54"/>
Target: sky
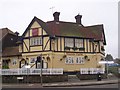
<point x="17" y="15"/>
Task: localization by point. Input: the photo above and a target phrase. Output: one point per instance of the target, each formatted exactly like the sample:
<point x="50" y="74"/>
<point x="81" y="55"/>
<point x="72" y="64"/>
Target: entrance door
<point x="5" y="64"/>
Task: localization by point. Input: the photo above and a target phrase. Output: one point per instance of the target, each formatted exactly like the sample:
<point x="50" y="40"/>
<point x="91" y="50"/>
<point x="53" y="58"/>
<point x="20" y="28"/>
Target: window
<point x="33" y="60"/>
<point x="79" y="43"/>
<point x="35" y="32"/>
<point x="14" y="62"/>
<point x="79" y="60"/>
<point x="36" y="41"/>
<point x="69" y="60"/>
<point x="69" y="42"/>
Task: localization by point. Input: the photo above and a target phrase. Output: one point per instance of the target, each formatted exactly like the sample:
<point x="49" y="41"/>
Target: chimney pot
<point x="16" y="33"/>
<point x="78" y="19"/>
<point x="56" y="16"/>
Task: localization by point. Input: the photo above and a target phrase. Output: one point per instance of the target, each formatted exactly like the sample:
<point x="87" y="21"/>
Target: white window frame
<point x="69" y="60"/>
<point x="36" y="41"/>
<point x="80" y="60"/>
<point x="14" y="62"/>
<point x="69" y="42"/>
<point x="79" y="43"/>
<point x="32" y="60"/>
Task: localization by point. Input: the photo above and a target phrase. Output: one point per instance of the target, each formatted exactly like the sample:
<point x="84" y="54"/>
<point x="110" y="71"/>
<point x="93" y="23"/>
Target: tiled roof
<point x="11" y="51"/>
<point x="70" y="29"/>
<point x="74" y="30"/>
<point x="4" y="32"/>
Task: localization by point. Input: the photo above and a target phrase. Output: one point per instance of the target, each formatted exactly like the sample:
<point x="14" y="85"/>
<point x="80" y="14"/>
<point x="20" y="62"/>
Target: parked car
<point x="114" y="64"/>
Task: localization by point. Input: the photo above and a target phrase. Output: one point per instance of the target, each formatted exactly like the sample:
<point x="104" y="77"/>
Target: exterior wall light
<point x="64" y="56"/>
<point x="61" y="59"/>
<point x="48" y="58"/>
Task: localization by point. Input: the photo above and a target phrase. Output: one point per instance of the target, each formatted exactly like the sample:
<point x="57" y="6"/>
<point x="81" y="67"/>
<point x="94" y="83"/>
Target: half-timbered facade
<point x="67" y="45"/>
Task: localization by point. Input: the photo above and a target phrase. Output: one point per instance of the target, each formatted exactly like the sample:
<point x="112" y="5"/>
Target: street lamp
<point x="39" y="59"/>
<point x="27" y="67"/>
<point x="106" y="62"/>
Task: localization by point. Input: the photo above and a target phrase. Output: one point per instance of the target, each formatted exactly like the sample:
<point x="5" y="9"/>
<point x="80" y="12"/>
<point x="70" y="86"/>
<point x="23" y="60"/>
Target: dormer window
<point x="35" y="32"/>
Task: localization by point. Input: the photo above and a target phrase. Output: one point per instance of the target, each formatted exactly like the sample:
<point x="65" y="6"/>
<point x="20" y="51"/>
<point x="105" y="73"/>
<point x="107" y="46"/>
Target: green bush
<point x="113" y="70"/>
<point x="89" y="76"/>
<point x="5" y="67"/>
<point x="34" y="78"/>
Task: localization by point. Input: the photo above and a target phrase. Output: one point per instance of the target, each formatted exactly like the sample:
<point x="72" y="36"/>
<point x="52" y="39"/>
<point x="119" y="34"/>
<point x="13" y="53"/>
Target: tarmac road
<point x="96" y="86"/>
<point x="39" y="86"/>
<point x="107" y="84"/>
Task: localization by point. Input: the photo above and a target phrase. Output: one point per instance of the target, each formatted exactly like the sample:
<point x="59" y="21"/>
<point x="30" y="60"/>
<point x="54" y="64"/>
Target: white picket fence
<point x="49" y="71"/>
<point x="92" y="70"/>
<point x="119" y="70"/>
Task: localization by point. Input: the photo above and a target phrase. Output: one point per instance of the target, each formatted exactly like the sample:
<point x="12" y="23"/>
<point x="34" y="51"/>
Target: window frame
<point x="35" y="32"/>
<point x="36" y="41"/>
<point x="79" y="43"/>
<point x="81" y="60"/>
<point x="68" y="42"/>
<point x="14" y="61"/>
<point x="71" y="43"/>
<point x="68" y="61"/>
<point x="35" y="59"/>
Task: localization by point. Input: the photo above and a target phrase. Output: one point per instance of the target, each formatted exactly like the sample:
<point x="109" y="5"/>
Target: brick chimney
<point x="16" y="33"/>
<point x="56" y="16"/>
<point x="78" y="19"/>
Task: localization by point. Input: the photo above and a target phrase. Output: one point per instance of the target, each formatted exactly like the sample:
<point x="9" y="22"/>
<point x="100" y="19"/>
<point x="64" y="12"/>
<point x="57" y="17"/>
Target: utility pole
<point x="41" y="68"/>
<point x="107" y="69"/>
<point x="39" y="59"/>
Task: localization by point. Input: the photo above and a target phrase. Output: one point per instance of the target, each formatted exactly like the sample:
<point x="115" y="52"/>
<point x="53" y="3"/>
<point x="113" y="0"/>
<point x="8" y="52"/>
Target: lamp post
<point x="41" y="68"/>
<point x="27" y="67"/>
<point x="106" y="62"/>
<point x="39" y="59"/>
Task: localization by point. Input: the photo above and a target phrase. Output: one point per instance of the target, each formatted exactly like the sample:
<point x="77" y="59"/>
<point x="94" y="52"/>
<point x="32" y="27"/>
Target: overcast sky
<point x="17" y="15"/>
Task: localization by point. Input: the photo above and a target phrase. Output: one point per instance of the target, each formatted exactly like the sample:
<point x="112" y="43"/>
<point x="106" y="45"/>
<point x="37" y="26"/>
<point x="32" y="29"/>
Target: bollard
<point x="99" y="77"/>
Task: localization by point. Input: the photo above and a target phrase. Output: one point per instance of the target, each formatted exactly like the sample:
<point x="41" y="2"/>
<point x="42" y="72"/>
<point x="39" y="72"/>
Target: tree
<point x="108" y="57"/>
<point x="117" y="60"/>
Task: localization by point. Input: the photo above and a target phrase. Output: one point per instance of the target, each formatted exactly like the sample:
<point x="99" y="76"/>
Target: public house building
<point x="67" y="45"/>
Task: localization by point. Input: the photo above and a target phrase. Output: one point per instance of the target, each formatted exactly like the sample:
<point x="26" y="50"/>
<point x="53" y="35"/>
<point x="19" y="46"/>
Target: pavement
<point x="82" y="83"/>
<point x="111" y="80"/>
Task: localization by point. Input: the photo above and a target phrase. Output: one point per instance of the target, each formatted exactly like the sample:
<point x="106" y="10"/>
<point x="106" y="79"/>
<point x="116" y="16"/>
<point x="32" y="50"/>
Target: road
<point x="96" y="86"/>
<point x="38" y="86"/>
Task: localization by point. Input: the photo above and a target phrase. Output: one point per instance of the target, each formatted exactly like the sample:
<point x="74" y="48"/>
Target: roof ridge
<point x="34" y="19"/>
<point x="95" y="25"/>
<point x="39" y="19"/>
<point x="62" y="22"/>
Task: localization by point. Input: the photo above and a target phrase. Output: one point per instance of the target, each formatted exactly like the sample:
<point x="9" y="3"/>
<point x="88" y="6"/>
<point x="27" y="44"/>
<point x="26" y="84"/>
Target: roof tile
<point x="11" y="51"/>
